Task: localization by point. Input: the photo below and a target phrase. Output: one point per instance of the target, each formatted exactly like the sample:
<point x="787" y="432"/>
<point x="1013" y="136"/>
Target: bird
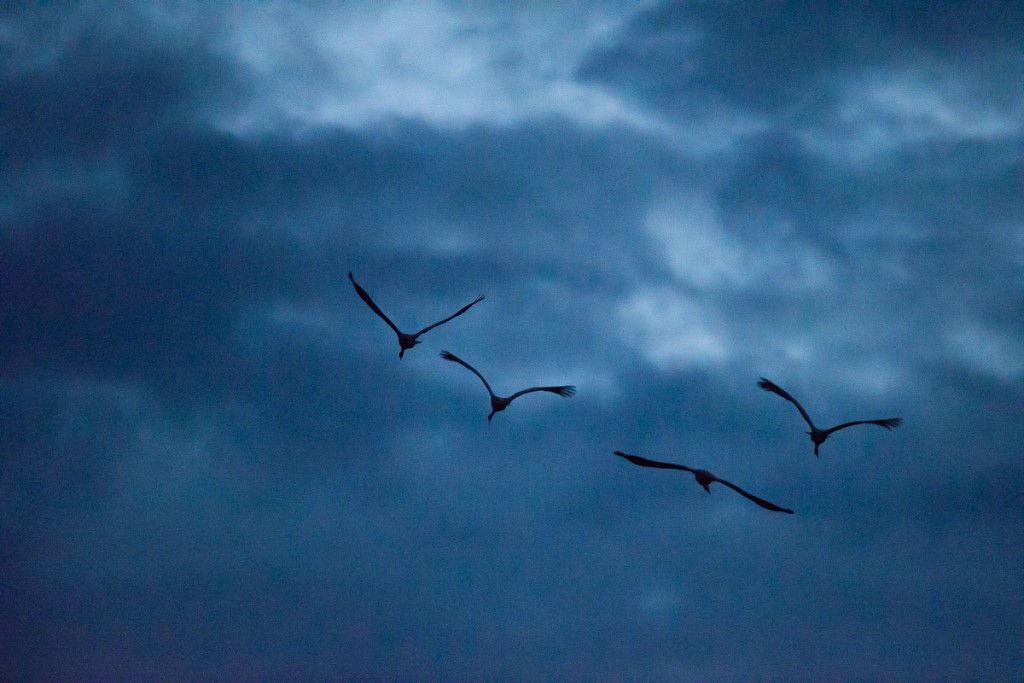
<point x="818" y="436"/>
<point x="406" y="341"/>
<point x="704" y="478"/>
<point x="499" y="403"/>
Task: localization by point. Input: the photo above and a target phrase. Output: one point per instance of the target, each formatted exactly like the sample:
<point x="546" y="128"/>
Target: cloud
<point x="359" y="67"/>
<point x="987" y="351"/>
<point x="212" y="464"/>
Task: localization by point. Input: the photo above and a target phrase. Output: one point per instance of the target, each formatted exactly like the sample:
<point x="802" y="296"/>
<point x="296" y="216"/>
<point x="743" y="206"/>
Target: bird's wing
<point x="889" y="423"/>
<point x="455" y="359"/>
<point x="760" y="501"/>
<point x="768" y="385"/>
<point x="369" y="302"/>
<point x="454" y="315"/>
<point x="644" y="462"/>
<point x="566" y="391"/>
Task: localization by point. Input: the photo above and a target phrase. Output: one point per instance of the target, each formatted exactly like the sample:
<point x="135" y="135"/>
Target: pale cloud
<point x="315" y="320"/>
<point x="361" y="66"/>
<point x="672" y="330"/>
<point x="450" y="66"/>
<point x="873" y="374"/>
<point x="878" y="112"/>
<point x="703" y="253"/>
<point x="986" y="350"/>
<point x="660" y="600"/>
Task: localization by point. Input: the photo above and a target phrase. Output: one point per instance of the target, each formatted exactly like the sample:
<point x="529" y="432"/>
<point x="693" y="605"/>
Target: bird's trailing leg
<point x="704" y="478"/>
<point x="406" y="342"/>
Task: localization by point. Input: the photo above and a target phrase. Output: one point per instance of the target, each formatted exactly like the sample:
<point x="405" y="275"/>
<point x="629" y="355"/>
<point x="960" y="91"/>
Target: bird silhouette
<point x="406" y="341"/>
<point x="818" y="436"/>
<point x="499" y="403"/>
<point x="704" y="478"/>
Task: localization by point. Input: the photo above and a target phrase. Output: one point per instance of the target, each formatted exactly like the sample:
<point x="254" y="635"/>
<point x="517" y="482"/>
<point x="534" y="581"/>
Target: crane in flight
<point x="406" y="341"/>
<point x="499" y="403"/>
<point x="704" y="478"/>
<point x="818" y="436"/>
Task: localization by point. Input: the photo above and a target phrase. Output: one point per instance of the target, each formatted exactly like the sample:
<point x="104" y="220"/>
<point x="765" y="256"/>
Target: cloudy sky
<point x="213" y="463"/>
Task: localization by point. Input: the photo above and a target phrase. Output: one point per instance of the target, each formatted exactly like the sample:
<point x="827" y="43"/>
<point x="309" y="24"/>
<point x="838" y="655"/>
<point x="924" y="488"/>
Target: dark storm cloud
<point x="953" y="230"/>
<point x="79" y="81"/>
<point x="154" y="286"/>
<point x="119" y="294"/>
<point x="768" y="57"/>
<point x="214" y="465"/>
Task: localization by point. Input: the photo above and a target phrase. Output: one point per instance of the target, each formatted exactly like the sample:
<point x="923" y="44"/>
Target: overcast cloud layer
<point x="213" y="464"/>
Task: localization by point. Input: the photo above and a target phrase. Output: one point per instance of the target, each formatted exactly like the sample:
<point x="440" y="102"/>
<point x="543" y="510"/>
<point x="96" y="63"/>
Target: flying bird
<point x="818" y="436"/>
<point x="406" y="341"/>
<point x="704" y="478"/>
<point x="499" y="403"/>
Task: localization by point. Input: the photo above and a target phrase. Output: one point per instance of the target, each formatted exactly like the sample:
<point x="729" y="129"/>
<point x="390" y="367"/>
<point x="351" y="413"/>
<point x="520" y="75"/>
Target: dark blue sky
<point x="213" y="464"/>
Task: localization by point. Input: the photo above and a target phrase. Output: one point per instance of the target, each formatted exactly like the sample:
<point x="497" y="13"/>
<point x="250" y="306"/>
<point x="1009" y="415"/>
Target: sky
<point x="214" y="465"/>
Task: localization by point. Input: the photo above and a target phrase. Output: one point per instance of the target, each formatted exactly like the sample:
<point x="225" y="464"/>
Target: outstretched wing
<point x="644" y="462"/>
<point x="760" y="501"/>
<point x="768" y="385"/>
<point x="889" y="423"/>
<point x="454" y="315"/>
<point x="455" y="359"/>
<point x="566" y="391"/>
<point x="369" y="302"/>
